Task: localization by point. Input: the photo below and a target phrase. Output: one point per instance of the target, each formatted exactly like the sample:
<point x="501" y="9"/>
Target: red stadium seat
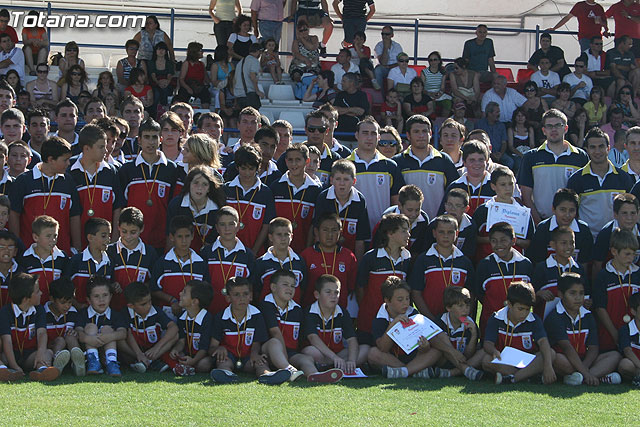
<point x="507" y="73"/>
<point x="326" y="65"/>
<point x="524" y="75"/>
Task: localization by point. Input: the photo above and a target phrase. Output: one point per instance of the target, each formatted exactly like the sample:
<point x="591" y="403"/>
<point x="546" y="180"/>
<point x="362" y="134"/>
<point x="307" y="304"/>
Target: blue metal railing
<point x="416" y="26"/>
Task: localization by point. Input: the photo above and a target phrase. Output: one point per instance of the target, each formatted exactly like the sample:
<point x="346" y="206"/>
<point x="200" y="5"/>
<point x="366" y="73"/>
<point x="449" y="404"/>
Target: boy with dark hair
<point x="295" y="195"/>
<point x="629" y="343"/>
<point x="210" y="123"/>
<point x="327" y="256"/>
<point x="61" y="321"/>
<point x="349" y="204"/>
<point x="548" y="272"/>
<point x="327" y="326"/>
<point x="7" y="180"/>
<point x="171" y="132"/>
<point x="498" y="270"/>
<point x="441" y="266"/>
<point x="515" y="326"/>
<point x="502" y="182"/>
<point x="67" y="119"/>
<point x="194" y="330"/>
<point x="251" y="198"/>
<point x="43" y="258"/>
<point x="150" y="333"/>
<point x="7" y="96"/>
<point x="25" y="350"/>
<point x="279" y="256"/>
<point x="148" y="183"/>
<point x="48" y="190"/>
<point x="8" y="266"/>
<point x="96" y="181"/>
<point x="19" y="159"/>
<point x="577" y="357"/>
<point x="131" y="259"/>
<point x="38" y="125"/>
<point x="132" y="111"/>
<point x="267" y="139"/>
<point x="93" y="260"/>
<point x="614" y="284"/>
<point x="238" y="335"/>
<point x="565" y="210"/>
<point x="410" y="200"/>
<point x="227" y="257"/>
<point x="179" y="266"/>
<point x="476" y="180"/>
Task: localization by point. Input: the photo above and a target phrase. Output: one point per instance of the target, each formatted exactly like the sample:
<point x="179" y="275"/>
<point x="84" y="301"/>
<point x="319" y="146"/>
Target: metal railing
<point x="416" y="26"/>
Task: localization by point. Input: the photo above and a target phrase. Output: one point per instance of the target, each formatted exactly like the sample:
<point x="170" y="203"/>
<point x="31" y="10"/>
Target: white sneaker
<point x="574" y="379"/>
<point x="138" y="367"/>
<point x="295" y="374"/>
<point x="61" y="359"/>
<point x="612" y="378"/>
<point x="78" y="362"/>
<point x="390" y="372"/>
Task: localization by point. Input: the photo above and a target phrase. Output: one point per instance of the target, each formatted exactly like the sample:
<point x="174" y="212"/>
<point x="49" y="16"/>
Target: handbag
<point x="251" y="99"/>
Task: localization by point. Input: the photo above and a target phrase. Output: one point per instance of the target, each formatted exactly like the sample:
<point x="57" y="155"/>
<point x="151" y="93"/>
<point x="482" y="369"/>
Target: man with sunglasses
<point x="622" y="63"/>
<point x="596" y="60"/>
<point x="387" y="52"/>
<point x="331" y="114"/>
<point x="554" y="53"/>
<point x="580" y="83"/>
<point x="480" y="53"/>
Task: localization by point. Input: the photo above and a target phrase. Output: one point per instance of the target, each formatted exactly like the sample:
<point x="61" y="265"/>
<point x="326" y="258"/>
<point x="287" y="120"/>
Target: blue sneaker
<point x="113" y="369"/>
<point x="223" y="376"/>
<point x="93" y="365"/>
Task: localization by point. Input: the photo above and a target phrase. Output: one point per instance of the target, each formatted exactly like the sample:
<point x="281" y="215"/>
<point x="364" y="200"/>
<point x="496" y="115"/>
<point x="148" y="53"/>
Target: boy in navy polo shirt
<point x="100" y="328"/>
<point x="148" y="183"/>
<point x="131" y="258"/>
<point x="629" y="343"/>
<point x="93" y="261"/>
<point x="388" y="258"/>
<point x="96" y="181"/>
<point x="194" y="330"/>
<point x="503" y="183"/>
<point x="43" y="258"/>
<point x="6" y="180"/>
<point x="279" y="256"/>
<point x="498" y="270"/>
<point x="614" y="284"/>
<point x="547" y="273"/>
<point x="515" y="326"/>
<point x="573" y="334"/>
<point x="238" y="336"/>
<point x="48" y="190"/>
<point x="328" y="327"/>
<point x="61" y="322"/>
<point x="179" y="266"/>
<point x="8" y="264"/>
<point x="267" y="139"/>
<point x="443" y="265"/>
<point x="150" y="333"/>
<point x="565" y="208"/>
<point x="455" y="204"/>
<point x="132" y="111"/>
<point x="410" y="200"/>
<point x="349" y="204"/>
<point x="328" y="257"/>
<point x="23" y="330"/>
<point x="626" y="214"/>
<point x="251" y="198"/>
<point x="227" y="257"/>
<point x="283" y="318"/>
<point x="295" y="195"/>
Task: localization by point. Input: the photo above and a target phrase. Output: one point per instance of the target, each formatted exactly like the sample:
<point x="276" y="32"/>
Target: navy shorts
<point x="21" y="358"/>
<point x="234" y="359"/>
<point x="365" y="338"/>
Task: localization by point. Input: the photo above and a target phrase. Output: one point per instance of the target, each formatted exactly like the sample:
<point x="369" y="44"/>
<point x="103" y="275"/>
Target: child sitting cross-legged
<point x="629" y="343"/>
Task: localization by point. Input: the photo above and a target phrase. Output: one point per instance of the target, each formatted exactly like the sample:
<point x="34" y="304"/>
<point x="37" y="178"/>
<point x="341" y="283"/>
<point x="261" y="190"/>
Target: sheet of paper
<point x="407" y="337"/>
<point x="550" y="306"/>
<point x="514" y="357"/>
<point x="516" y="215"/>
<point x="357" y="374"/>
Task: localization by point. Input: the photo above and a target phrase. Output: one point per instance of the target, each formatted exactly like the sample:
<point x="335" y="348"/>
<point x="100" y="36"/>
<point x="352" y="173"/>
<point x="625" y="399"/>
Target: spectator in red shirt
<point x="626" y="16"/>
<point x="591" y="20"/>
<point x="5" y="17"/>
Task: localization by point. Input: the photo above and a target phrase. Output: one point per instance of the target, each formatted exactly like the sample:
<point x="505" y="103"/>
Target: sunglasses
<point x="530" y="89"/>
<point x="123" y="134"/>
<point x="389" y="142"/>
<point x="75" y="73"/>
<point x="625" y="93"/>
<point x="42" y="71"/>
<point x="72" y="49"/>
<point x="403" y="60"/>
<point x="386" y="34"/>
<point x="434" y="59"/>
<point x="303" y="30"/>
<point x="318" y="129"/>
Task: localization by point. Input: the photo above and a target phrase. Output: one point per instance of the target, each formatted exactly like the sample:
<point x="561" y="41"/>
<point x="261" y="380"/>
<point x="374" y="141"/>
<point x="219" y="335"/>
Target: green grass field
<point x="161" y="399"/>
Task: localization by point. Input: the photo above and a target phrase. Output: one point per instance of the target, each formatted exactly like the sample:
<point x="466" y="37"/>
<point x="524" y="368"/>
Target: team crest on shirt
<point x="341" y="267"/>
<point x="248" y="337"/>
<point x="460" y="345"/>
<point x="298" y="278"/>
<point x="431" y="178"/>
<point x="337" y="337"/>
<point x="152" y="336"/>
<point x="305" y="211"/>
<point x="526" y="342"/>
<point x="63" y="202"/>
<point x="106" y="195"/>
<point x="568" y="172"/>
<point x="161" y="190"/>
<point x="296" y="331"/>
<point x="351" y="227"/>
<point x="455" y="277"/>
<point x="56" y="275"/>
<point x="141" y="276"/>
<point x="196" y="342"/>
<point x="239" y="271"/>
<point x="460" y="242"/>
<point x="32" y="332"/>
<point x="257" y="212"/>
<point x="380" y="179"/>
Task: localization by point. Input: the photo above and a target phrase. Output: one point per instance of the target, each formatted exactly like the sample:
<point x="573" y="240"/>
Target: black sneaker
<point x="636" y="381"/>
<point x="504" y="379"/>
<point x="323" y="51"/>
<point x="158" y="366"/>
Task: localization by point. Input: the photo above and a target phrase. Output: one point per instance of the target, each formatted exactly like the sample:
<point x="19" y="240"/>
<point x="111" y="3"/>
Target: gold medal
<point x="294" y="224"/>
<point x="241" y="225"/>
<point x="239" y="364"/>
<point x="149" y="202"/>
<point x="626" y="318"/>
<point x="90" y="212"/>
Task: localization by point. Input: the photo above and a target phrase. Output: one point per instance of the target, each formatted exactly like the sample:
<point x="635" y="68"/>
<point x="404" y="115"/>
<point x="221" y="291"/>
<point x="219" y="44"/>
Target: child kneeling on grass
<point x="24" y="333"/>
<point x="100" y="328"/>
<point x="516" y="326"/>
<point x="238" y="334"/>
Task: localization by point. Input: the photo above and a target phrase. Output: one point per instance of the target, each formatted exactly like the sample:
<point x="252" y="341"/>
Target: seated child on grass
<point x="9" y="244"/>
<point x="629" y="343"/>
